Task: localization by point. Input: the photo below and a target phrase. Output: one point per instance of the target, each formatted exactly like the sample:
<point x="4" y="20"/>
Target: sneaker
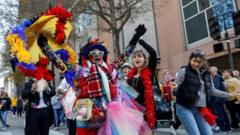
<point x="217" y="129"/>
<point x="3" y="129"/>
<point x="173" y="131"/>
<point x="61" y="124"/>
<point x="55" y="128"/>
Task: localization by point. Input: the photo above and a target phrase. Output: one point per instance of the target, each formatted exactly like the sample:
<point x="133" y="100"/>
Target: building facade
<point x="183" y="27"/>
<point x="177" y="27"/>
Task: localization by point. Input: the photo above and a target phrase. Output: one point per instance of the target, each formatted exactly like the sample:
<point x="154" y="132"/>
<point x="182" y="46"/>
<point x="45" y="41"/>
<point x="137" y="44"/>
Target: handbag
<point x="83" y="109"/>
<point x="68" y="102"/>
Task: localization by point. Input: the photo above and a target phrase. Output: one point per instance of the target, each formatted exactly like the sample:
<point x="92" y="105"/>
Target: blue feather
<point x="69" y="75"/>
<point x="28" y="66"/>
<point x="64" y="55"/>
<point x="20" y="30"/>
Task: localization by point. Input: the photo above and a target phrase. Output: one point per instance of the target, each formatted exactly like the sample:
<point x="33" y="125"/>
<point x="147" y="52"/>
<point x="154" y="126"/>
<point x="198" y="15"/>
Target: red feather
<point x="40" y="72"/>
<point x="146" y="75"/>
<point x="208" y="115"/>
<point x="63" y="16"/>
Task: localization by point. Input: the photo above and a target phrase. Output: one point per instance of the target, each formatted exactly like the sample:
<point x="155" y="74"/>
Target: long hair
<point x="201" y="54"/>
<point x="137" y="52"/>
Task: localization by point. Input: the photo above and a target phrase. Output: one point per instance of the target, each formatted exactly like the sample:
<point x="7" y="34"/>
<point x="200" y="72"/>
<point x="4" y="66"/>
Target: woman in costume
<point x="97" y="85"/>
<point x="113" y="112"/>
<point x="194" y="84"/>
<point x="141" y="77"/>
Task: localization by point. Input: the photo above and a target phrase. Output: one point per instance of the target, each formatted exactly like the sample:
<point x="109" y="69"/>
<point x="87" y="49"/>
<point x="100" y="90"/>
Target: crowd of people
<point x="96" y="97"/>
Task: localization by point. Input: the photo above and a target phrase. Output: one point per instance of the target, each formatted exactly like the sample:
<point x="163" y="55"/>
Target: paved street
<point x="17" y="127"/>
<point x="17" y="124"/>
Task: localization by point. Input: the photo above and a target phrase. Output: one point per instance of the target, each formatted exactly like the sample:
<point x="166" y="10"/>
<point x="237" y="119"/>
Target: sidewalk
<point x="17" y="127"/>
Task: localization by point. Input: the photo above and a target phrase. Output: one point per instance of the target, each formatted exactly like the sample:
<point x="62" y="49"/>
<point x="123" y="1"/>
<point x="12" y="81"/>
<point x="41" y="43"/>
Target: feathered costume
<point x="37" y="41"/>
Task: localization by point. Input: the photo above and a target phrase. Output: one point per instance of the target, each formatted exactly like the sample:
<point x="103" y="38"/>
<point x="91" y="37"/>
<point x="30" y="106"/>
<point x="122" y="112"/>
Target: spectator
<point x="125" y="70"/>
<point x="57" y="111"/>
<point x="38" y="119"/>
<point x="5" y="102"/>
<point x="236" y="74"/>
<point x="218" y="104"/>
<point x="19" y="106"/>
<point x="14" y="105"/>
<point x="232" y="84"/>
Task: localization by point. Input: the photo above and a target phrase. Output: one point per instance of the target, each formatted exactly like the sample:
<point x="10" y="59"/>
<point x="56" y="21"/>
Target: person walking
<point x="19" y="106"/>
<point x="57" y="111"/>
<point x="14" y="106"/>
<point x="5" y="102"/>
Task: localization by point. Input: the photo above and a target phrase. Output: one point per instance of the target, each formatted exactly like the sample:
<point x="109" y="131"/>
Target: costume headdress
<point x="42" y="39"/>
<point x="91" y="45"/>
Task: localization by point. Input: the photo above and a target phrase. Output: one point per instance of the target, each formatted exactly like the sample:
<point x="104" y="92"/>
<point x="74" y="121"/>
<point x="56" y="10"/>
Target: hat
<point x="91" y="45"/>
<point x="126" y="65"/>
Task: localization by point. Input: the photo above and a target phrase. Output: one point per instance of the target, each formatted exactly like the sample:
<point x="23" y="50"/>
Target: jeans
<point x="4" y="118"/>
<point x="192" y="120"/>
<point x="58" y="117"/>
<point x="222" y="116"/>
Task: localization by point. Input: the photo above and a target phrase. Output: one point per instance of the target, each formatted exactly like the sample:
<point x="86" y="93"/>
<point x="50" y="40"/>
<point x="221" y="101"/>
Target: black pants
<point x="19" y="112"/>
<point x="38" y="121"/>
<point x="233" y="109"/>
<point x="71" y="126"/>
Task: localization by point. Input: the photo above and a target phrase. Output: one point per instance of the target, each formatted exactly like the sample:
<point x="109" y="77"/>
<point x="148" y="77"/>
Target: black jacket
<point x="188" y="91"/>
<point x="6" y="104"/>
<point x="34" y="98"/>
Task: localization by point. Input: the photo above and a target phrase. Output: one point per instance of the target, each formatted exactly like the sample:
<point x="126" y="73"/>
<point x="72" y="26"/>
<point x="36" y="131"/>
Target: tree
<point x="116" y="13"/>
<point x="31" y="8"/>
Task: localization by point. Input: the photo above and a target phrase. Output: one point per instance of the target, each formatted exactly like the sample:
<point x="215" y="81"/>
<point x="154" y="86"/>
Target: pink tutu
<point x="122" y="120"/>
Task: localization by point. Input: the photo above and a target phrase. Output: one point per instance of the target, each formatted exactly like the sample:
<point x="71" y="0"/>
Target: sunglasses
<point x="96" y="53"/>
<point x="199" y="53"/>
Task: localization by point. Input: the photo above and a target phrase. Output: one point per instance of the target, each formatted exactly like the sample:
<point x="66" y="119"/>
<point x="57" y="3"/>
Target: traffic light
<point x="218" y="47"/>
<point x="236" y="22"/>
<point x="214" y="28"/>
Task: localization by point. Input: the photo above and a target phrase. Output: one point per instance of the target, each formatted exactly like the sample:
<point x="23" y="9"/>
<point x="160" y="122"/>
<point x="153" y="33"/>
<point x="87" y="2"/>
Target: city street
<point x="17" y="124"/>
<point x="120" y="67"/>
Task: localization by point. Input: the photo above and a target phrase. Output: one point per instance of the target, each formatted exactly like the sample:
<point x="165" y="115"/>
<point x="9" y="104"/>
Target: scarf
<point x="146" y="75"/>
<point x="98" y="81"/>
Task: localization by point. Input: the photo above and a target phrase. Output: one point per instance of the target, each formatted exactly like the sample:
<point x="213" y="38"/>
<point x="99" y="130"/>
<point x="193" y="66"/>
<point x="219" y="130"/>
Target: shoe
<point x="217" y="129"/>
<point x="8" y="125"/>
<point x="173" y="131"/>
<point x="55" y="128"/>
<point x="3" y="129"/>
<point x="61" y="124"/>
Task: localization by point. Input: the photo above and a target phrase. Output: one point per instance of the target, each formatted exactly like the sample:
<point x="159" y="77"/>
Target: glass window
<point x="214" y="1"/>
<point x="185" y="2"/>
<point x="203" y="4"/>
<point x="223" y="11"/>
<point x="195" y="24"/>
<point x="196" y="28"/>
<point x="190" y="10"/>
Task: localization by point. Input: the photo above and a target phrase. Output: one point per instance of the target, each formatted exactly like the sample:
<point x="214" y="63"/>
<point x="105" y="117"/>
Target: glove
<point x="140" y="30"/>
